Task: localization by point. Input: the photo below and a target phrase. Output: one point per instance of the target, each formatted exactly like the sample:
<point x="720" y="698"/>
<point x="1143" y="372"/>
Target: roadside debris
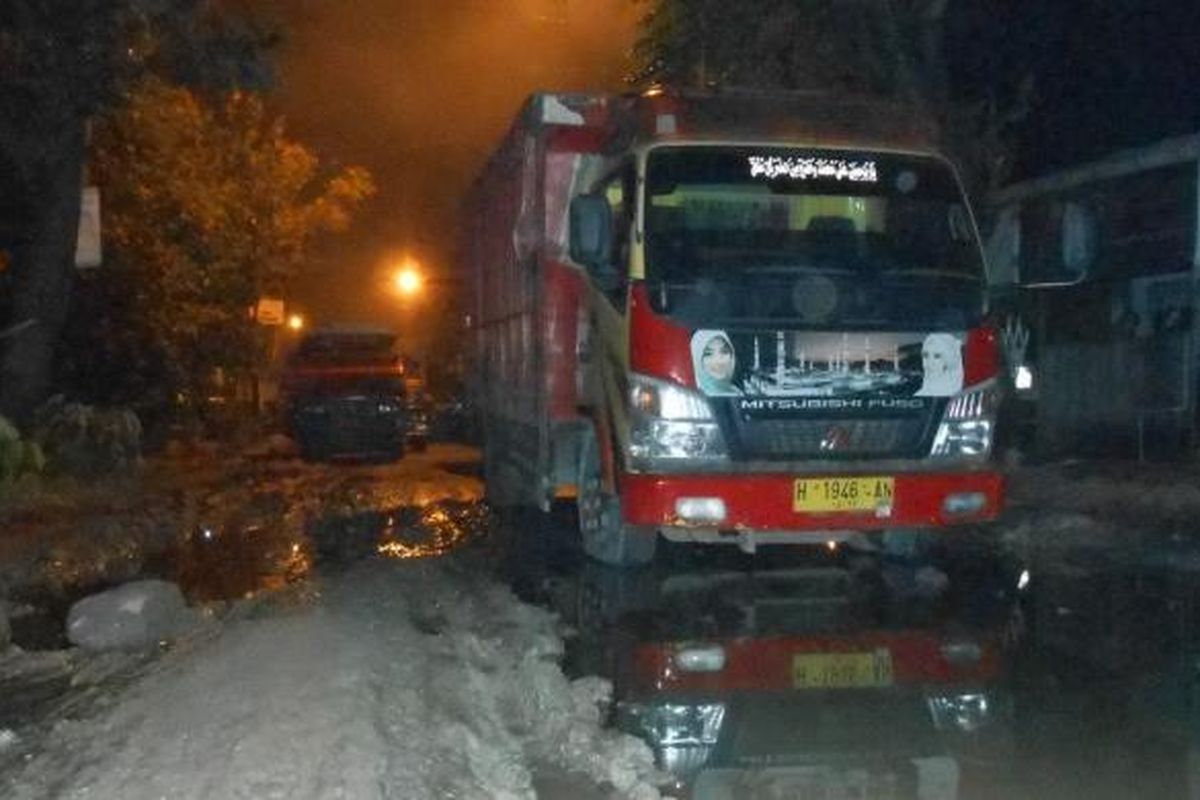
<point x="136" y="615"/>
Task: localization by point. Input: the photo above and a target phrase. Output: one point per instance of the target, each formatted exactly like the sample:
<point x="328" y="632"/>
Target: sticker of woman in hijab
<point x="715" y="362"/>
<point x="941" y="363"/>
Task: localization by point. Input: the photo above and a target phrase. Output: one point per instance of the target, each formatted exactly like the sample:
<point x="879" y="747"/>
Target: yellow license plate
<point x="816" y="495"/>
<point x="842" y="670"/>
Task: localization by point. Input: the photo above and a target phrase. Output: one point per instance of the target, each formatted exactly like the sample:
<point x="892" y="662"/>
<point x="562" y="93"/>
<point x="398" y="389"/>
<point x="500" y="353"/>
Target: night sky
<point x="1108" y="74"/>
<point x="419" y="92"/>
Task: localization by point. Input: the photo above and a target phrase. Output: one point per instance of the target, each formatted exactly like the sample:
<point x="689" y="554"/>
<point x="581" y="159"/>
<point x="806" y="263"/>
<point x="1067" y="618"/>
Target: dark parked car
<point x="344" y="395"/>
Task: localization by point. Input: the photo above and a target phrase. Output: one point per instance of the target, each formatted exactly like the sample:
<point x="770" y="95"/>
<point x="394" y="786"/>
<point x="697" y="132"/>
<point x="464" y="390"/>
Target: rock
<point x="136" y="615"/>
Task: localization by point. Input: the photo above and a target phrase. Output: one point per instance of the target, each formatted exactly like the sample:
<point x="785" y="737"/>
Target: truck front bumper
<point x="765" y="503"/>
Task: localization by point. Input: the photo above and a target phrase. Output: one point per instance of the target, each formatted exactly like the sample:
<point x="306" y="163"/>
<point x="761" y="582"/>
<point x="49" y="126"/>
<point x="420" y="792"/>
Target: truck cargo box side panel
<point x="564" y="283"/>
<point x="564" y="294"/>
<point x="509" y="391"/>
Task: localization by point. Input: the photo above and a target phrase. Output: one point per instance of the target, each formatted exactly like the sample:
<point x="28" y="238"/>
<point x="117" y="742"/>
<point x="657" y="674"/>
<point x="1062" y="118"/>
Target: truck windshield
<point x="819" y="238"/>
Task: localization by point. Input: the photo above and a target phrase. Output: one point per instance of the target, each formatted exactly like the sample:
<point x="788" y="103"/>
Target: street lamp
<point x="295" y="322"/>
<point x="408" y="280"/>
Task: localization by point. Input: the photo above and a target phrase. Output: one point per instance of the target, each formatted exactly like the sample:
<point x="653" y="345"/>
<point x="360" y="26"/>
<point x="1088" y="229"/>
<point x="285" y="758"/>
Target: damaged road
<point x="349" y="640"/>
<point x="353" y="634"/>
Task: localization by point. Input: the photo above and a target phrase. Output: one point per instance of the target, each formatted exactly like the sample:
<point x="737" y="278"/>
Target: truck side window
<point x="618" y="190"/>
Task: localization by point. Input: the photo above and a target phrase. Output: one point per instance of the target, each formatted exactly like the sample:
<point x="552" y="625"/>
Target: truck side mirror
<point x="591" y="232"/>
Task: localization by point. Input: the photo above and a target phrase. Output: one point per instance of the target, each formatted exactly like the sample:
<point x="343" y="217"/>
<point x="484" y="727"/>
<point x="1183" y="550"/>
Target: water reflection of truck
<point x="734" y="318"/>
<point x="798" y="680"/>
<point x="1095" y="267"/>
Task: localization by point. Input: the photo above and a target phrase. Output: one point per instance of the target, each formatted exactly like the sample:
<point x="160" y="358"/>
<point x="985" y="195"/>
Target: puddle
<point x="39" y="622"/>
<point x="406" y="532"/>
<point x="214" y="564"/>
<point x="471" y="469"/>
<point x="235" y="562"/>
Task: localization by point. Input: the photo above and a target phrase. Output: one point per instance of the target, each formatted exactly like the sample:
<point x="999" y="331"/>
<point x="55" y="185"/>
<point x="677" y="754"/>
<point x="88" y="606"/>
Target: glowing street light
<point x="295" y="322"/>
<point x="408" y="281"/>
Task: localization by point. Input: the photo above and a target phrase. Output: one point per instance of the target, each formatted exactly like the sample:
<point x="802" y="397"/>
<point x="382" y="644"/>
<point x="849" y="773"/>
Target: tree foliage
<point x="208" y="206"/>
<point x="61" y="62"/>
<point x="894" y="49"/>
<point x="781" y="44"/>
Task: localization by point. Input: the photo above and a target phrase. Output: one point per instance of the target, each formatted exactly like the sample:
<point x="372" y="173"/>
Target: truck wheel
<point x="603" y="534"/>
<point x="497" y="484"/>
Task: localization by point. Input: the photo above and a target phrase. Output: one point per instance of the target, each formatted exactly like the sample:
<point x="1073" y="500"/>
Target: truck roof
<point x="817" y="117"/>
<point x="824" y="118"/>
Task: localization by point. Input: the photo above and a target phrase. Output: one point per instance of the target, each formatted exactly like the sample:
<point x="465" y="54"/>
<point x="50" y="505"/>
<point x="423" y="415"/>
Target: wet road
<point x="812" y="674"/>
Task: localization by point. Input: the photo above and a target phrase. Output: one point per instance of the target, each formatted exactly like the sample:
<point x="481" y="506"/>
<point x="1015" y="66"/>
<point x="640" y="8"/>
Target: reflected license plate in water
<point x="871" y="670"/>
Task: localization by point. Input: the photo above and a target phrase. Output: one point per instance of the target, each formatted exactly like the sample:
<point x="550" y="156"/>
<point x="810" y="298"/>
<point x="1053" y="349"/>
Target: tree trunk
<point x="43" y="267"/>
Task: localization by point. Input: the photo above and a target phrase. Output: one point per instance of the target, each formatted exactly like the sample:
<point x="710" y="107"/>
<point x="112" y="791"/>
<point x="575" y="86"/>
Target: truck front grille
<point x="798" y="439"/>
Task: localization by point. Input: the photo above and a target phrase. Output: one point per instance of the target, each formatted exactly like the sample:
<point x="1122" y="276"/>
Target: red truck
<point x="771" y="677"/>
<point x="730" y="317"/>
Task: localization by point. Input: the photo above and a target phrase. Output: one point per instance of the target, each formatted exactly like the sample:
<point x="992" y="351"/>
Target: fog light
<point x="963" y="712"/>
<point x="700" y="658"/>
<point x="700" y="509"/>
<point x="964" y="503"/>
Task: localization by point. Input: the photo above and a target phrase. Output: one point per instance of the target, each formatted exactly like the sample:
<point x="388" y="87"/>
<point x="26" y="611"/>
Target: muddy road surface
<point x="375" y="630"/>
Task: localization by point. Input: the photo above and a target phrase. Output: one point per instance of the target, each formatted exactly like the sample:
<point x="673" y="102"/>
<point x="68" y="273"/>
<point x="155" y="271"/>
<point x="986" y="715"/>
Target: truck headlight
<point x="670" y="421"/>
<point x="966" y="713"/>
<point x="967" y="424"/>
<point x="682" y="735"/>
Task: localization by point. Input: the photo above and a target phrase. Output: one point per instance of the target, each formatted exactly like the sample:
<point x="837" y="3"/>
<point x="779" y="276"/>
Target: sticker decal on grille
<point x="820" y="369"/>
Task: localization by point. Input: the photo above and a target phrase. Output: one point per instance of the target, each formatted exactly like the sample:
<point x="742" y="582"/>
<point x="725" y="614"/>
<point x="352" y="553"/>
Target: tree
<point x="208" y="206"/>
<point x="780" y="44"/>
<point x="894" y="49"/>
<point x="61" y="62"/>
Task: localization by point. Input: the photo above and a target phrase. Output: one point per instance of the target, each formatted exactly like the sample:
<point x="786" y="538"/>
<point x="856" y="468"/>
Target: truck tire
<point x="498" y="488"/>
<point x="603" y="534"/>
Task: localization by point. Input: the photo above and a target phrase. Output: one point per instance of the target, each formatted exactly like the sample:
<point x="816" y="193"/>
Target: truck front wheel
<point x="498" y="486"/>
<point x="603" y="534"/>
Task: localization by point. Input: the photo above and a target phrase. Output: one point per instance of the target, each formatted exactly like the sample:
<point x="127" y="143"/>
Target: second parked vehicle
<point x="345" y="396"/>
